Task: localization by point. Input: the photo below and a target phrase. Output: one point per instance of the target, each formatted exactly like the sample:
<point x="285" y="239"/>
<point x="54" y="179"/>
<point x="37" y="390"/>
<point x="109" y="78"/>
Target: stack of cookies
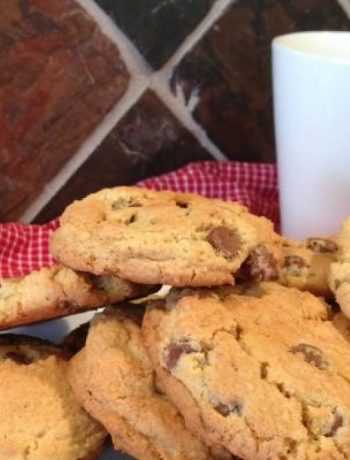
<point x="245" y="354"/>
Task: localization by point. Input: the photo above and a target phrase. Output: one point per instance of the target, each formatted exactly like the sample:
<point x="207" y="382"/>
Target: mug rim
<point x="321" y="44"/>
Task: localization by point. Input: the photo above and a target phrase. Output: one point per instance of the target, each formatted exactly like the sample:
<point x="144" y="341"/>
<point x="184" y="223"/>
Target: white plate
<point x="55" y="331"/>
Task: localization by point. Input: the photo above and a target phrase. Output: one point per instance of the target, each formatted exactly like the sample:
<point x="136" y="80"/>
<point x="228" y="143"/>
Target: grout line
<point x="217" y="10"/>
<point x="133" y="59"/>
<point x="345" y="4"/>
<point x="176" y="103"/>
<point x="141" y="79"/>
<point x="184" y="116"/>
<point x="140" y="74"/>
<point x="161" y="78"/>
<point x="135" y="90"/>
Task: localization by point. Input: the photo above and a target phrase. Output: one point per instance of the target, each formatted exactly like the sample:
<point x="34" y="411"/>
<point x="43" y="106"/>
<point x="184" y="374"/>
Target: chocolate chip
<point x="223" y="409"/>
<point x="294" y="265"/>
<point x="312" y="355"/>
<point x="224" y="240"/>
<point x="135" y="205"/>
<point x="264" y="370"/>
<point x="260" y="265"/>
<point x="181" y="204"/>
<point x="174" y="351"/>
<point x="337" y="423"/>
<point x="18" y="357"/>
<point x="281" y="388"/>
<point x="321" y="245"/>
<point x="131" y="219"/>
<point x="227" y="409"/>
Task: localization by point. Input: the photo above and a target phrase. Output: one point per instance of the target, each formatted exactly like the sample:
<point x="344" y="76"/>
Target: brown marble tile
<point x="59" y="76"/>
<point x="230" y="71"/>
<point x="148" y="141"/>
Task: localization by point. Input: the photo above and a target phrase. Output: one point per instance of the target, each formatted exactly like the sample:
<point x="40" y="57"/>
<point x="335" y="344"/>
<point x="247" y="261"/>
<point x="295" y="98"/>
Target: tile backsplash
<point x="105" y="92"/>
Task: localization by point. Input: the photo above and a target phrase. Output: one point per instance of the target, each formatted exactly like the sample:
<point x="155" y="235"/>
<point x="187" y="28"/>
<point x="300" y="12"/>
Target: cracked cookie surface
<point x="40" y="417"/>
<point x="339" y="278"/>
<point x="58" y="291"/>
<point x="113" y="379"/>
<point x="166" y="238"/>
<point x="263" y="370"/>
<point x="306" y="264"/>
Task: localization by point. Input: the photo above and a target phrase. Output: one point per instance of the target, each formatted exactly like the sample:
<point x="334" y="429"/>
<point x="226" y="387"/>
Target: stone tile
<point x="157" y="27"/>
<point x="229" y="71"/>
<point x="59" y="76"/>
<point x="148" y="141"/>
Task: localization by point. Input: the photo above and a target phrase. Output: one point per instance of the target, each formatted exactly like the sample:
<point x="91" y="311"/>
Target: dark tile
<point x="59" y="76"/>
<point x="157" y="27"/>
<point x="230" y="71"/>
<point x="148" y="141"/>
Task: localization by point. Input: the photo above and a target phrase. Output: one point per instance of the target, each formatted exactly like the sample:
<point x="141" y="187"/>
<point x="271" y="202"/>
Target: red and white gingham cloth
<point x="24" y="248"/>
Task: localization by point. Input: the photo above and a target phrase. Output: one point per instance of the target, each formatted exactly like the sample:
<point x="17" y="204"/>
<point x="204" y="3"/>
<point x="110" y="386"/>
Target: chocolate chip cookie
<point x="339" y="278"/>
<point x="113" y="379"/>
<point x="166" y="238"/>
<point x="306" y="264"/>
<point x="59" y="291"/>
<point x="40" y="418"/>
<point x="263" y="369"/>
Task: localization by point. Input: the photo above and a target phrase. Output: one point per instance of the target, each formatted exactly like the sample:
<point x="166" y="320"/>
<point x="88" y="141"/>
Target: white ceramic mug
<point x="311" y="89"/>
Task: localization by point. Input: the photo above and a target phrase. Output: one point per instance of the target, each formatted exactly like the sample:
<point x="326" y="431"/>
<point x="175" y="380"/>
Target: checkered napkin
<point x="24" y="248"/>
